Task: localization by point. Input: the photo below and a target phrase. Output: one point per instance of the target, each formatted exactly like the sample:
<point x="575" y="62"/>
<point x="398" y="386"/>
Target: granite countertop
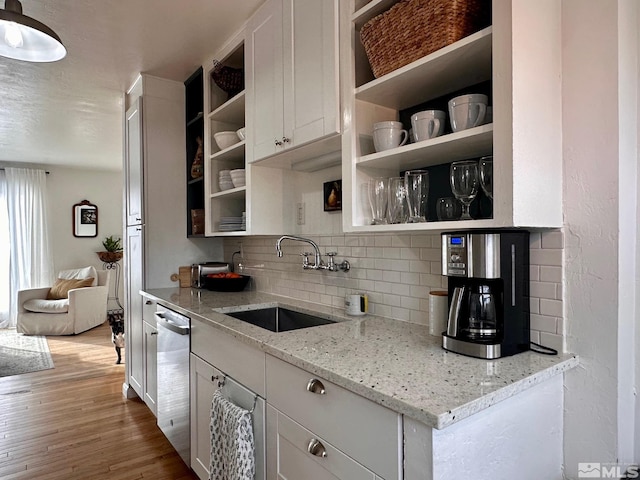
<point x="393" y="363"/>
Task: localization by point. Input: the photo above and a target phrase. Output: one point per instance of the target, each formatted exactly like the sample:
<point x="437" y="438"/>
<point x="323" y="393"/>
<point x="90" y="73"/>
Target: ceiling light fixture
<point x="25" y="38"/>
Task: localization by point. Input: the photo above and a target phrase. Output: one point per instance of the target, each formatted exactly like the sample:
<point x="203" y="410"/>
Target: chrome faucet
<point x="318" y="261"/>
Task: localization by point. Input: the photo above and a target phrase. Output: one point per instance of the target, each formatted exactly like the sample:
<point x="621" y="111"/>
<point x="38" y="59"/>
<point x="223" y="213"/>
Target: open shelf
<point x="474" y="142"/>
<point x="463" y="63"/>
<point x="237" y="192"/>
<point x="232" y="111"/>
<point x="234" y="152"/>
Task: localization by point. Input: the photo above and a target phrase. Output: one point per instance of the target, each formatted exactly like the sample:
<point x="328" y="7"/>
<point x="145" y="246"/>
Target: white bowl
<point x="240" y="133"/>
<point x="226" y="139"/>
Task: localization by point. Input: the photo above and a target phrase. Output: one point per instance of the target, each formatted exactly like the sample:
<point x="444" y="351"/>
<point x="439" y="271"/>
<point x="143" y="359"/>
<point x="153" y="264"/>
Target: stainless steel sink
<point x="278" y="319"/>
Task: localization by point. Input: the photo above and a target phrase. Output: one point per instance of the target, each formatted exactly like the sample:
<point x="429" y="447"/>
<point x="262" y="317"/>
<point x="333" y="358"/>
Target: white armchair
<point x="84" y="309"/>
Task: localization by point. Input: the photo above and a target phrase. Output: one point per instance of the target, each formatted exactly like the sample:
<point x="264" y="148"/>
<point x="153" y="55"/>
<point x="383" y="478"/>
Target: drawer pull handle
<point x="316" y="448"/>
<point x="316" y="386"/>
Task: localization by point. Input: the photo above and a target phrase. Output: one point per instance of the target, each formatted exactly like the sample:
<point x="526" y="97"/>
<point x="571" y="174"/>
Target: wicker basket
<point x="230" y="80"/>
<point x="412" y="29"/>
<point x="109" y="257"/>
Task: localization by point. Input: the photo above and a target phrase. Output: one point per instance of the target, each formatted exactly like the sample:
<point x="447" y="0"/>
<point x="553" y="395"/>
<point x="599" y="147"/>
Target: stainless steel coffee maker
<point x="488" y="276"/>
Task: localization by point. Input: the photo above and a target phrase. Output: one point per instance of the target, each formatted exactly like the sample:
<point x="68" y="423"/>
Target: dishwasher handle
<point x="169" y="325"/>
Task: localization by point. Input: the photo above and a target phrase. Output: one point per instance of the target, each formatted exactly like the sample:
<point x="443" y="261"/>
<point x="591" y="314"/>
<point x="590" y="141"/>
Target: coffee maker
<point x="488" y="277"/>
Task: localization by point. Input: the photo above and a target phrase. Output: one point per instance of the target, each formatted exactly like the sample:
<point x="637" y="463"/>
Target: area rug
<point x="23" y="353"/>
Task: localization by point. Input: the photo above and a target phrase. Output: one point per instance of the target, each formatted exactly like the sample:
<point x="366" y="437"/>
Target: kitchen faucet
<point x="319" y="264"/>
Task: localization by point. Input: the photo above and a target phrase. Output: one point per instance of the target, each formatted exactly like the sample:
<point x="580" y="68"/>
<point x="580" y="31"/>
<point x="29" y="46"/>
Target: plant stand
<point x="116" y="315"/>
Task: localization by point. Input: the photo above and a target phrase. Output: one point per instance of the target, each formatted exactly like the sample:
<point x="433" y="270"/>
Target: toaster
<point x="199" y="270"/>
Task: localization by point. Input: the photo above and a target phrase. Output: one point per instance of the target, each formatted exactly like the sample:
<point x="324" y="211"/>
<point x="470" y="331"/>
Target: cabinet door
<point x="133" y="163"/>
<point x="311" y="84"/>
<point x="288" y="453"/>
<point x="202" y="386"/>
<point x="134" y="330"/>
<point x="151" y="367"/>
<point x="264" y="79"/>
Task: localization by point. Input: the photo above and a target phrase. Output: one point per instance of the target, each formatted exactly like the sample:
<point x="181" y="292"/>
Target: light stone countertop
<point x="393" y="363"/>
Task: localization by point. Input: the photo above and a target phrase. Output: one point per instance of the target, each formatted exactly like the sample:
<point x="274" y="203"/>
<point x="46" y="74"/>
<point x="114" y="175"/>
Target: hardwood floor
<point x="72" y="422"/>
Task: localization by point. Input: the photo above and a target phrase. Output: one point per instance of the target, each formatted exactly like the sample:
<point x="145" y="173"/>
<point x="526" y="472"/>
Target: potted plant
<point x="113" y="250"/>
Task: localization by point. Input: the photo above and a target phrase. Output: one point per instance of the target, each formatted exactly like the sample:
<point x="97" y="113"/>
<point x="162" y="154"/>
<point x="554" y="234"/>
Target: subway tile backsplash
<point x="397" y="271"/>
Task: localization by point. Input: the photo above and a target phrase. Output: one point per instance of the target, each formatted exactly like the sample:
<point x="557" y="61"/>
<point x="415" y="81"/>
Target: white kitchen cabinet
<point x="150" y="348"/>
<point x="133" y="165"/>
<point x="134" y="326"/>
<point x="155" y="195"/>
<point x="203" y="384"/>
<point x="366" y="434"/>
<point x="289" y="453"/>
<point x="217" y="358"/>
<point x="264" y="198"/>
<point x="519" y="55"/>
<point x="292" y="82"/>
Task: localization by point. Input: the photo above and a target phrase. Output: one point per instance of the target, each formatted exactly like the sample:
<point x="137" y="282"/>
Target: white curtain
<point x="30" y="257"/>
<point x="4" y="254"/>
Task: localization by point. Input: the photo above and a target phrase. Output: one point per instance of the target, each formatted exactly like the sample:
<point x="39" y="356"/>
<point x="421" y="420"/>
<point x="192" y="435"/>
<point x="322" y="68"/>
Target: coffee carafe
<point x="488" y="277"/>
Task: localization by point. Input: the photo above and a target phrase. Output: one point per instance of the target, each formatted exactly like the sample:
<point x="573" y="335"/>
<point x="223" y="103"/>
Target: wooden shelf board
<point x="456" y="66"/>
<point x="231" y="193"/>
<point x="197" y="118"/>
<point x="471" y="143"/>
<point x="235" y="233"/>
<point x="232" y="111"/>
<point x="195" y="180"/>
<point x="370" y="10"/>
<point x="234" y="152"/>
<point x="427" y="226"/>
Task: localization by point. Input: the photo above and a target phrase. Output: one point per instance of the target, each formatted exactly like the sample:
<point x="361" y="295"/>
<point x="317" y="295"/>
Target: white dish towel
<point x="232" y="446"/>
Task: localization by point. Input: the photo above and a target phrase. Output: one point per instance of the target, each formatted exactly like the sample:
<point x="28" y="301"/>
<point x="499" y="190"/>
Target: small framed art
<point x="85" y="219"/>
<point x="332" y="193"/>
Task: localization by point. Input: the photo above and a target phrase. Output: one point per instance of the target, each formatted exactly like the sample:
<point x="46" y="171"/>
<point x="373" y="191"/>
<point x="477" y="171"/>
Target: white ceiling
<point x="70" y="112"/>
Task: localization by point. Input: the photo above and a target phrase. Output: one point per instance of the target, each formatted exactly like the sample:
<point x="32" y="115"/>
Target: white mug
<point x="467" y="111"/>
<point x="356" y="305"/>
<point x="438" y="311"/>
<point x="428" y="124"/>
<point x="388" y="135"/>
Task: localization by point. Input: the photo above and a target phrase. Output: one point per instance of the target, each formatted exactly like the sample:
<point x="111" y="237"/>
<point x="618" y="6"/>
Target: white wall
<point x="67" y="186"/>
<point x="600" y="240"/>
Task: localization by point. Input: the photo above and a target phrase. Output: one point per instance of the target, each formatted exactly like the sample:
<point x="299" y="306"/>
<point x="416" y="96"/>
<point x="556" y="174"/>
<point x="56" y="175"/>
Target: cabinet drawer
<point x="290" y="456"/>
<point x="242" y="362"/>
<point x="148" y="311"/>
<point x="366" y="431"/>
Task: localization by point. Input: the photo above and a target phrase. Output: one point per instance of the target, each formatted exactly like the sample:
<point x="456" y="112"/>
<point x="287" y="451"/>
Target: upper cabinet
<point x="292" y="69"/>
<point x="515" y="62"/>
<point x="133" y="165"/>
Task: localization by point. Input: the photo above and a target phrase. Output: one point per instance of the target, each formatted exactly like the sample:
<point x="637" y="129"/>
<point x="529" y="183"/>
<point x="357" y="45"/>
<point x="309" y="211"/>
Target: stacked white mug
<point x="388" y="135"/>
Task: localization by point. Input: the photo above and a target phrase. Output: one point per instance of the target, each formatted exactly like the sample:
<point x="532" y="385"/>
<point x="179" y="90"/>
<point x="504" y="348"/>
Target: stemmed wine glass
<point x="486" y="175"/>
<point x="464" y="180"/>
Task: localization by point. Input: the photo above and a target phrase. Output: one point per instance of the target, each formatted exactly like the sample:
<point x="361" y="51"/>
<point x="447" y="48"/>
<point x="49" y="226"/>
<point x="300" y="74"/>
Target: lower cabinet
<point x="239" y="373"/>
<point x="203" y="385"/>
<point x="359" y="438"/>
<point x="151" y="366"/>
<point x="295" y="452"/>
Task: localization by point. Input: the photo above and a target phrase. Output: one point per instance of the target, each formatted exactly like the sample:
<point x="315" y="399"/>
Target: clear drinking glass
<point x="486" y="175"/>
<point x="417" y="184"/>
<point x="378" y="198"/>
<point x="464" y="184"/>
<point x="397" y="200"/>
<point x="448" y="208"/>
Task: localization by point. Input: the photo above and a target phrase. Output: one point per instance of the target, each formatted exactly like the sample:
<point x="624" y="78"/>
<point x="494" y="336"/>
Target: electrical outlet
<point x="300" y="214"/>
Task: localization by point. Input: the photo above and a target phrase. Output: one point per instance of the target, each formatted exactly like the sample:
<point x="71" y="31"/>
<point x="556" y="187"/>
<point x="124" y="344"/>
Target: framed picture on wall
<point x="332" y="193"/>
<point x="85" y="219"/>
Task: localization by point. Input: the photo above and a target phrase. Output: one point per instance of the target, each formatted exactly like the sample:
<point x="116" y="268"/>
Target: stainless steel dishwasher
<point x="173" y="379"/>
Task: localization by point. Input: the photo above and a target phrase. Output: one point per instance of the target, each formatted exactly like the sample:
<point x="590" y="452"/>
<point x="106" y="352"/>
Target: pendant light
<point x="25" y="38"/>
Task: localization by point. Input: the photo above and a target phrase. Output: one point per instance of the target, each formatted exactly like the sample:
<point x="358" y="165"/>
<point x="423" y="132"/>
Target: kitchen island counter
<point x="393" y="363"/>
